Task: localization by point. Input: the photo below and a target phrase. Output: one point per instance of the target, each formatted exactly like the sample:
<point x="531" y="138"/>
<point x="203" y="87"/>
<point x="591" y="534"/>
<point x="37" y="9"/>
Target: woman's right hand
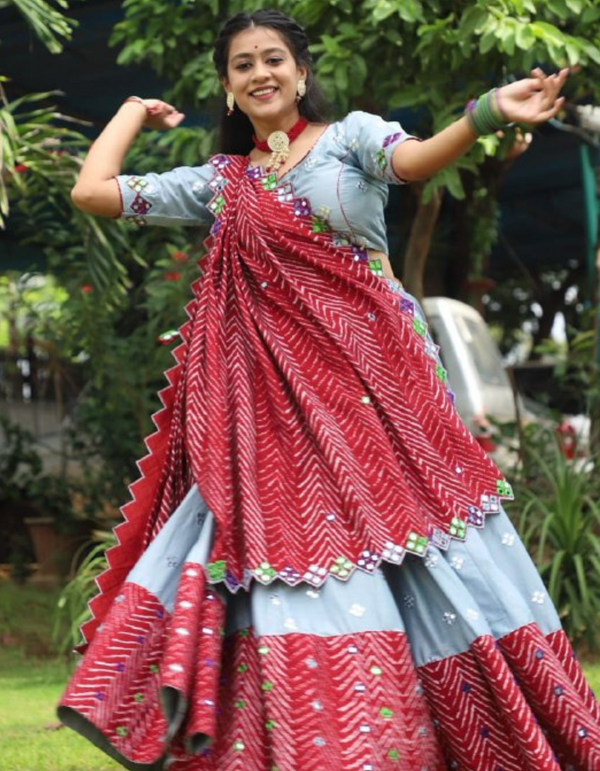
<point x="96" y="190"/>
<point x="160" y="115"/>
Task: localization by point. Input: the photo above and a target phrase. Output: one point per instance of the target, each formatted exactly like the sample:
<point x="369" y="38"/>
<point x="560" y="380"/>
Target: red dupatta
<point x="307" y="405"/>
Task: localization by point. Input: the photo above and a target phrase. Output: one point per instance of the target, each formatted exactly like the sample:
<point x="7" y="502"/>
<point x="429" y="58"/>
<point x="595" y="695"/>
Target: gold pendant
<point x="279" y="144"/>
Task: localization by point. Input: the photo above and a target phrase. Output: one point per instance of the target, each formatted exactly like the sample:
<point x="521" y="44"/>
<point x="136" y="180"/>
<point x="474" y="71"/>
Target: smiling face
<point x="263" y="75"/>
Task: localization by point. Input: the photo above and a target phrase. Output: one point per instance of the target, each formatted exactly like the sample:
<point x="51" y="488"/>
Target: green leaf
<point x="575" y="5"/>
<point x="332" y="46"/>
<point x="548" y="33"/>
<point x="573" y="54"/>
<point x="410" y="11"/>
<point x="592" y="51"/>
<point x="473" y="19"/>
<point x="488" y="41"/>
<point x="581" y="579"/>
<point x="48" y="24"/>
<point x="341" y="78"/>
<point x="358" y="74"/>
<point x="450" y="177"/>
<point x="508" y="43"/>
<point x="383" y="9"/>
<point x="409" y="96"/>
<point x="524" y="37"/>
<point x="555" y="575"/>
<point x="590" y="15"/>
<point x="430" y="188"/>
<point x="558" y="7"/>
<point x="205" y="89"/>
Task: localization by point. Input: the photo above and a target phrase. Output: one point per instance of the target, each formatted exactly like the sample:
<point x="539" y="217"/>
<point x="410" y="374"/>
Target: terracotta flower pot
<point x="54" y="551"/>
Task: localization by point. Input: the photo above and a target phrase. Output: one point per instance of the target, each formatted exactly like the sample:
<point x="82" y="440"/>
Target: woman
<point x="255" y="614"/>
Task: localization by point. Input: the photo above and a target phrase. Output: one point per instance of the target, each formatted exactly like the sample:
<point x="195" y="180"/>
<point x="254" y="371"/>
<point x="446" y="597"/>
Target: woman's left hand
<point x="532" y="100"/>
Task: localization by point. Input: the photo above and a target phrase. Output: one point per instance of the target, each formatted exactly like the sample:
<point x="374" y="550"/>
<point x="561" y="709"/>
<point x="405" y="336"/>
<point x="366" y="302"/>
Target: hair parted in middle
<point x="236" y="130"/>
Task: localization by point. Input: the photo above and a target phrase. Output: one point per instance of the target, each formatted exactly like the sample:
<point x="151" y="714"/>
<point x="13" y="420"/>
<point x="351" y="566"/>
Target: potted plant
<point x="38" y="521"/>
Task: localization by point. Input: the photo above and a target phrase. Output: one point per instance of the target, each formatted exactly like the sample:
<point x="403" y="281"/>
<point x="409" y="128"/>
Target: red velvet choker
<point x="278" y="142"/>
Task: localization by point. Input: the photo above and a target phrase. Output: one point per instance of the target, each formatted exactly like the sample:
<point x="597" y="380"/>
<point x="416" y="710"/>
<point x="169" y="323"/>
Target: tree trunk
<point x="419" y="241"/>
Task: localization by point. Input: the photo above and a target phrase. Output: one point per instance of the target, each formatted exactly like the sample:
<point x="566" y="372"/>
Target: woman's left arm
<point x="531" y="101"/>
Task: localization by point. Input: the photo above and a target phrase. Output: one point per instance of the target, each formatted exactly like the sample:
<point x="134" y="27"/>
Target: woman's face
<point x="263" y="75"/>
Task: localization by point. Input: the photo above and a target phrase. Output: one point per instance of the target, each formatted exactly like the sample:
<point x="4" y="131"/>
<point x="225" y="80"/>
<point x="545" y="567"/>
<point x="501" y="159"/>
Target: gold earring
<point x="301" y="89"/>
<point x="230" y="102"/>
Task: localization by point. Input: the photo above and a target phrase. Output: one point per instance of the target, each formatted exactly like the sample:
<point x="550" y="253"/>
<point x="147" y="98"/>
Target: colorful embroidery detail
<point x="420" y="327"/>
<point x="458" y="528"/>
<point x="217" y="204"/>
<point x="416" y="543"/>
<point x="302" y="207"/>
<point x="381" y="160"/>
<point x="341" y="568"/>
<point x="216" y="570"/>
<point x="391" y="138"/>
<point x="269" y="181"/>
<point x="137" y="183"/>
<point x="264" y="573"/>
<point x="140" y="205"/>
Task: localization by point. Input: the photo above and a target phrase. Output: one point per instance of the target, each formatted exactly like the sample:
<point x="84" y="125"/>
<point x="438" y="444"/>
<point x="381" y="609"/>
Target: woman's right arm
<point x="96" y="190"/>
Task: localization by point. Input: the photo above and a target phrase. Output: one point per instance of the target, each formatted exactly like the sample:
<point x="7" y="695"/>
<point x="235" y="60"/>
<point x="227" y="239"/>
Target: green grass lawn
<point x="29" y="691"/>
<point x="31" y="680"/>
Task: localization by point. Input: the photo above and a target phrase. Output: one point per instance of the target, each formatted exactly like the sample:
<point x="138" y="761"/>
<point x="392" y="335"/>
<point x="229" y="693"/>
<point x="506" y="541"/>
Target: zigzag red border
<point x="144" y="514"/>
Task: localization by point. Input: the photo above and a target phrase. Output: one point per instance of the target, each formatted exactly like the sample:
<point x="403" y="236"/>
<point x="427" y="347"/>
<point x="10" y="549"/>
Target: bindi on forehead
<point x="265" y="52"/>
<point x="256" y="39"/>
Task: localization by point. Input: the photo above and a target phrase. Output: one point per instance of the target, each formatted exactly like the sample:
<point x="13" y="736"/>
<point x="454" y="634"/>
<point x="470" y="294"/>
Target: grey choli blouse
<point x="344" y="176"/>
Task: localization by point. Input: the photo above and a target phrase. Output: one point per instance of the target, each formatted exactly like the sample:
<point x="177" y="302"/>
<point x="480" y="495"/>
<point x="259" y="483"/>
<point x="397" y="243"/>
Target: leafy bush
<point x="25" y="491"/>
<point x="560" y="526"/>
<point x="72" y="606"/>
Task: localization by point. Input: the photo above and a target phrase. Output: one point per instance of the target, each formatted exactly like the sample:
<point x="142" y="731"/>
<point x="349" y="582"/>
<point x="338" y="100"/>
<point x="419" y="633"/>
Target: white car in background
<point x="476" y="373"/>
<point x="482" y="388"/>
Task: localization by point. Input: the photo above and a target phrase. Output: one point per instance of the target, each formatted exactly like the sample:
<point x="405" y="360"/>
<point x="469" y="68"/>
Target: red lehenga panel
<point x="155" y="685"/>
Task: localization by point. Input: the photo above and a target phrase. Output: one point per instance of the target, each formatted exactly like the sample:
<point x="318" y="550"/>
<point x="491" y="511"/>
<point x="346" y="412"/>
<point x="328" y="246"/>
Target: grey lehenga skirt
<point x="455" y="660"/>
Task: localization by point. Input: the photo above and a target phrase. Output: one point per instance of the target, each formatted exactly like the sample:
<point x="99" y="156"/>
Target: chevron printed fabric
<point x="325" y="374"/>
<point x="307" y="446"/>
<point x="154" y="682"/>
<point x="332" y="384"/>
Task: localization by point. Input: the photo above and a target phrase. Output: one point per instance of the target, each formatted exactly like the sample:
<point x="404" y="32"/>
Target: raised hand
<point x="159" y="115"/>
<point x="532" y="100"/>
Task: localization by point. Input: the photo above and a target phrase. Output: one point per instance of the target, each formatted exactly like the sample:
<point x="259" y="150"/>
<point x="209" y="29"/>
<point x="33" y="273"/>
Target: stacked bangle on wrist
<point x="485" y="115"/>
<point x="150" y="111"/>
<point x="135" y="99"/>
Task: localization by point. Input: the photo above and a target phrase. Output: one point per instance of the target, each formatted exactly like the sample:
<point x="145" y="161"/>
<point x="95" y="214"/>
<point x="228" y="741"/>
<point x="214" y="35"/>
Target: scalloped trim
<point x="369" y="561"/>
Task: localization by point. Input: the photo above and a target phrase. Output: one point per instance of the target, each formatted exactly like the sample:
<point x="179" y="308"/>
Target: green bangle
<point x="484" y="114"/>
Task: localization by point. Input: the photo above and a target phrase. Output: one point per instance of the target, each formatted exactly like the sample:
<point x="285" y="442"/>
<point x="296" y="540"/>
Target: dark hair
<point x="236" y="130"/>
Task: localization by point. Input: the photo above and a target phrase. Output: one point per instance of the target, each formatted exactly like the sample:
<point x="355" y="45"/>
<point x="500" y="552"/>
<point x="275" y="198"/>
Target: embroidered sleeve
<point x="371" y="142"/>
<point x="177" y="197"/>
